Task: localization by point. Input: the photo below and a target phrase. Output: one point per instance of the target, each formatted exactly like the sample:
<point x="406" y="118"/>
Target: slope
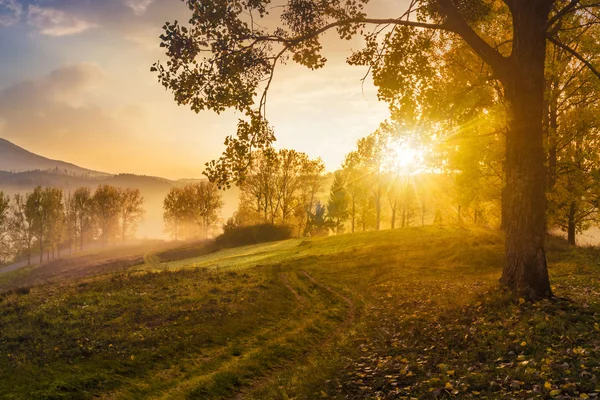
<point x="392" y="314"/>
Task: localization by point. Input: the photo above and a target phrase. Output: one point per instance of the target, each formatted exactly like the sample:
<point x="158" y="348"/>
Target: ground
<point x="406" y="313"/>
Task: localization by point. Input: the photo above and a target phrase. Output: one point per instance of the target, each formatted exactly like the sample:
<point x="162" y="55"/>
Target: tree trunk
<point x="525" y="270"/>
<point x="41" y="248"/>
<point x="404" y="214"/>
<point x="571" y="224"/>
<point x="353" y="213"/>
<point x="394" y="217"/>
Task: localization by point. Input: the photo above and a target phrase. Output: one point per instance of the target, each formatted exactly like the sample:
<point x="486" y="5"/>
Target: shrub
<point x="234" y="236"/>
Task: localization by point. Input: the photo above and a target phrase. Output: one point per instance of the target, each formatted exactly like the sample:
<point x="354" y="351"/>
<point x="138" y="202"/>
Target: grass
<point x="392" y="314"/>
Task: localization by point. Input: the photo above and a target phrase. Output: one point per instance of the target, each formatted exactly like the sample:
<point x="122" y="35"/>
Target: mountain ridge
<point x="14" y="158"/>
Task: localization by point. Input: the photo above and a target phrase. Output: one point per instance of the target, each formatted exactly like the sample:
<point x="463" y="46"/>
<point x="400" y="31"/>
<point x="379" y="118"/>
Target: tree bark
<point x="525" y="270"/>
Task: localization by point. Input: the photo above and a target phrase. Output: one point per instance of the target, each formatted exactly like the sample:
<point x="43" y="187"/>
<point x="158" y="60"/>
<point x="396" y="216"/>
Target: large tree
<point x="228" y="54"/>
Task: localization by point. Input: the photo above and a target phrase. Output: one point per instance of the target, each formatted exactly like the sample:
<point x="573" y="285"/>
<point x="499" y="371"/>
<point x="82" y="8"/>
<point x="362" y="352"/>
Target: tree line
<point x="375" y="187"/>
<point x="281" y="187"/>
<point x="49" y="220"/>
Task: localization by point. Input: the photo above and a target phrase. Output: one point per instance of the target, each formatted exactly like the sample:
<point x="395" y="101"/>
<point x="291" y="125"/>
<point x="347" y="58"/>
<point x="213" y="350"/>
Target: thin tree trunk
<point x="571" y="224"/>
<point x="353" y="212"/>
<point x="404" y="214"/>
<point x="525" y="270"/>
<point x="41" y="248"/>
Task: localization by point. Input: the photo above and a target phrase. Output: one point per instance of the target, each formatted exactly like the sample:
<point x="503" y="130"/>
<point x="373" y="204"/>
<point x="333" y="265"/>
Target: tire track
<point x="351" y="306"/>
<point x="283" y="277"/>
<point x="265" y="380"/>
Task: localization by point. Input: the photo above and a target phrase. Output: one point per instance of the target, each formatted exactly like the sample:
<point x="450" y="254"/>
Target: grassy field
<point x="409" y="313"/>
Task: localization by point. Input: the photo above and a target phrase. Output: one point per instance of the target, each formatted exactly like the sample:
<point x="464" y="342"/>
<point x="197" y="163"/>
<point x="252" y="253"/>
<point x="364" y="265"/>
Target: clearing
<point x="392" y="314"/>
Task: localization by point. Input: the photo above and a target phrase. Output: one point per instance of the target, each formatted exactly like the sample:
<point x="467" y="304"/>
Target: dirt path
<point x="284" y="279"/>
<point x="243" y="394"/>
<point x="352" y="307"/>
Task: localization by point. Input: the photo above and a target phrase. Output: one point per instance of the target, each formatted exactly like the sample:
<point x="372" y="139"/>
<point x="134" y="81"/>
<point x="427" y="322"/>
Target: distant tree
<point x="130" y="211"/>
<point x="311" y="185"/>
<point x="44" y="207"/>
<point x="106" y="205"/>
<point x="355" y="186"/>
<point x="70" y="221"/>
<point x="5" y="243"/>
<point x="257" y="191"/>
<point x="207" y="205"/>
<point x="372" y="151"/>
<point x="192" y="210"/>
<point x="280" y="187"/>
<point x="319" y="224"/>
<point x="173" y="212"/>
<point x="21" y="225"/>
<point x="408" y="201"/>
<point x="337" y="207"/>
<point x="56" y="222"/>
<point x="82" y="210"/>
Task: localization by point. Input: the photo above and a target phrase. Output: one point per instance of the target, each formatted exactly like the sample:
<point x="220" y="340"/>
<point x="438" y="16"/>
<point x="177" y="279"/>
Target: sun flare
<point x="405" y="158"/>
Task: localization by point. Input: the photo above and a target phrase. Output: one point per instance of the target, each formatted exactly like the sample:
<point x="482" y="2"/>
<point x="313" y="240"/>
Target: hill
<point x="408" y="313"/>
<point x="16" y="159"/>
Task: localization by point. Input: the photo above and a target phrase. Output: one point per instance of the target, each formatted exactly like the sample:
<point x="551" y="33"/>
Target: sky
<point x="75" y="85"/>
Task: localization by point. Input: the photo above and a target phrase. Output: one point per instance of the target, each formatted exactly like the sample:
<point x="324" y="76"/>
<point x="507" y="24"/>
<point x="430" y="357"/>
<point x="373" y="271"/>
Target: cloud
<point x="130" y="18"/>
<point x="10" y="12"/>
<point x="52" y="111"/>
<point x="52" y="22"/>
<point x="138" y="6"/>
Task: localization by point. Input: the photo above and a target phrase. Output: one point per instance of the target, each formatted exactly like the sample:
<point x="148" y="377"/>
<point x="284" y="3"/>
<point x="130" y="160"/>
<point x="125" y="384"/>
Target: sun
<point x="404" y="158"/>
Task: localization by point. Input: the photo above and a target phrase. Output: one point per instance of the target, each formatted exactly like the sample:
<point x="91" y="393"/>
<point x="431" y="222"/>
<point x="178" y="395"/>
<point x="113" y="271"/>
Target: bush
<point x="234" y="236"/>
<point x="188" y="251"/>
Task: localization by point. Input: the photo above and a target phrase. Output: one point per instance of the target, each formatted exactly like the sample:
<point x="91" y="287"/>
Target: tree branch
<point x="371" y="21"/>
<point x="575" y="54"/>
<point x="566" y="9"/>
<point x="457" y="24"/>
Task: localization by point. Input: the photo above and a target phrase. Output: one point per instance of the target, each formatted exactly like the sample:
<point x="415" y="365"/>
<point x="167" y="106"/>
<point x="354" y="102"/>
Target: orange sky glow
<point x="76" y="85"/>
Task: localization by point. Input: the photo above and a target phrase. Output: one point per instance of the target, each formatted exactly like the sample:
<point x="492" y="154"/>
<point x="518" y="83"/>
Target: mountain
<point x="16" y="159"/>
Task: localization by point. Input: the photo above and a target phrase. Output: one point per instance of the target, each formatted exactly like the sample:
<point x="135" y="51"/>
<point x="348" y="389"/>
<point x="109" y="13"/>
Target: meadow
<point x="405" y="313"/>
